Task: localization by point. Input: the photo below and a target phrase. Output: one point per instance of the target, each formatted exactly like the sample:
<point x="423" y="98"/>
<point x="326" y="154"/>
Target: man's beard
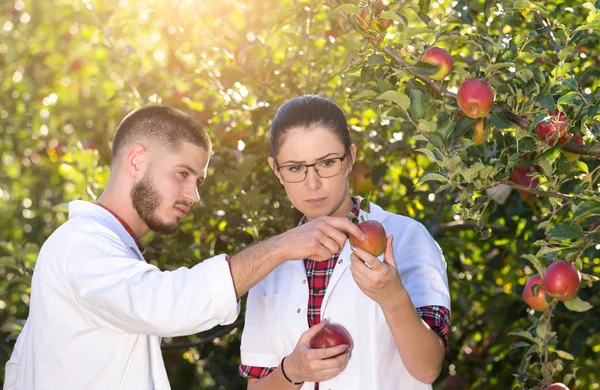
<point x="146" y="199"/>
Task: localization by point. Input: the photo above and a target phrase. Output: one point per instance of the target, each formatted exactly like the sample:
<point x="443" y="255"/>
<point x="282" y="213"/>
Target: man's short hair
<point x="162" y="125"/>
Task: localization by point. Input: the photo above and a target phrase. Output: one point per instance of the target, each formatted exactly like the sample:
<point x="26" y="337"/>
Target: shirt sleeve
<point x="257" y="347"/>
<point x="422" y="266"/>
<point x="255" y="372"/>
<point x="438" y="319"/>
<point x="134" y="296"/>
<point x="12" y="365"/>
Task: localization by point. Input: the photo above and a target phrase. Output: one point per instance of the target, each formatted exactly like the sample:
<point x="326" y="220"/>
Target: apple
<point x="572" y="157"/>
<point x="475" y="98"/>
<point x="553" y="128"/>
<point x="538" y="301"/>
<point x="562" y="280"/>
<point x="441" y="58"/>
<point x="376" y="238"/>
<point x="330" y="336"/>
<point x="363" y="183"/>
<point x="520" y="175"/>
<point x="556" y="386"/>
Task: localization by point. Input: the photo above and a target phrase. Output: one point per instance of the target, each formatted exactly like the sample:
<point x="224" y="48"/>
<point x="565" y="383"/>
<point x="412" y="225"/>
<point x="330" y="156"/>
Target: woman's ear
<point x="272" y="163"/>
<point x="352" y="156"/>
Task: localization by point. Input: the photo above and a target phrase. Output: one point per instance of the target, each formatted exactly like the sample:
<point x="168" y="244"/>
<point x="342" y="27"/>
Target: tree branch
<point x="211" y="336"/>
<point x="536" y="191"/>
<point x="464" y="225"/>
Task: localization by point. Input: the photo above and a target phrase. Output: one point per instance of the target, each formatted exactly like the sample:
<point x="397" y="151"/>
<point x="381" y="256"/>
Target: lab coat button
<point x="304" y="281"/>
<point x="340" y="262"/>
<point x="299" y="310"/>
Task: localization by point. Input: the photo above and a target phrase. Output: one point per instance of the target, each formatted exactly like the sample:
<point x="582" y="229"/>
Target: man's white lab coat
<point x="98" y="310"/>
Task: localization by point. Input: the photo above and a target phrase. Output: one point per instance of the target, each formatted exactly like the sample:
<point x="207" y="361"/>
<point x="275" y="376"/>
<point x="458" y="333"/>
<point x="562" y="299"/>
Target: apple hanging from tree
<point x="520" y="175"/>
<point x="553" y="128"/>
<point x="438" y="57"/>
<point x="475" y="98"/>
<point x="536" y="300"/>
<point x="562" y="280"/>
<point x="556" y="386"/>
<point x="330" y="336"/>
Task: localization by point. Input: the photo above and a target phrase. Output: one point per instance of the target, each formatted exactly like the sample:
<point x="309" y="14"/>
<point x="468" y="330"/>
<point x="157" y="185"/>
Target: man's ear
<point x="272" y="164"/>
<point x="136" y="160"/>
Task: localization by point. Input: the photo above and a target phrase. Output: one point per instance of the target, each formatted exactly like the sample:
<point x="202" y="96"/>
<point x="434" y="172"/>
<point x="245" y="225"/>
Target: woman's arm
<point x="421" y="349"/>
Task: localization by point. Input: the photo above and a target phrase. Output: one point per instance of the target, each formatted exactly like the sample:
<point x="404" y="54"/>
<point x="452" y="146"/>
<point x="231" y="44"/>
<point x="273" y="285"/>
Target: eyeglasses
<point x="295" y="173"/>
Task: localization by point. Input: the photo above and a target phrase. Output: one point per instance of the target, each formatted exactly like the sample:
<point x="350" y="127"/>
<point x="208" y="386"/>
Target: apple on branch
<point x="553" y="128"/>
<point x="475" y="98"/>
<point x="441" y="58"/>
<point x="556" y="386"/>
<point x="534" y="296"/>
<point x="562" y="280"/>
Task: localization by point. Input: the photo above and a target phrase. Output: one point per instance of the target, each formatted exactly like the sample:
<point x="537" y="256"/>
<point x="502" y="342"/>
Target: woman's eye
<point x="327" y="163"/>
<point x="295" y="168"/>
<point x="184" y="174"/>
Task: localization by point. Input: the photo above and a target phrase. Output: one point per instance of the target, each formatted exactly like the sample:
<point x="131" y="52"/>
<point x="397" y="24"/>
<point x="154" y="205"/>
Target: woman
<point x="395" y="307"/>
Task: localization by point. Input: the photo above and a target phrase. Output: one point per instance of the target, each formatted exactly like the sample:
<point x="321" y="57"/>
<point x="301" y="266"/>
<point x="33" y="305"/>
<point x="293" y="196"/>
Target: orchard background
<point x="71" y="69"/>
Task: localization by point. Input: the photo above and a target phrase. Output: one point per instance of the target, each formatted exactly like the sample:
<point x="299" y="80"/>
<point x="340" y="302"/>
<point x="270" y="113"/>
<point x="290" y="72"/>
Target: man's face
<point x="169" y="187"/>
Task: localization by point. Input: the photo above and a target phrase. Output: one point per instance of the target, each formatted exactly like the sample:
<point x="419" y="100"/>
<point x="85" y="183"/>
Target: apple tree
<point x="507" y="185"/>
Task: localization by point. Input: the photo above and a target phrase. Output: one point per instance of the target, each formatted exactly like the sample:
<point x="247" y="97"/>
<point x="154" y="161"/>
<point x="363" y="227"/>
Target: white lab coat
<point x="276" y="310"/>
<point x="98" y="310"/>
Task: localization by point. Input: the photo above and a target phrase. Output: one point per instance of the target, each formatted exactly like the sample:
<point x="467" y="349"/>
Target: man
<point x="97" y="309"/>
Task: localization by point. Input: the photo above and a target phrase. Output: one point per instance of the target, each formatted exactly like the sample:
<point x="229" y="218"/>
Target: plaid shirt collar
<point x="355" y="210"/>
<point x="126" y="226"/>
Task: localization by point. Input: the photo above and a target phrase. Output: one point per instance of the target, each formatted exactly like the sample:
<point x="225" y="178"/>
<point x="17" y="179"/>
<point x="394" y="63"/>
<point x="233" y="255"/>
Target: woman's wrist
<point x="289" y="373"/>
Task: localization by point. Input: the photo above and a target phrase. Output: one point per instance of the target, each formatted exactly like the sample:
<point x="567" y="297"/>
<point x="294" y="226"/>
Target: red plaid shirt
<point x="318" y="275"/>
<point x="126" y="226"/>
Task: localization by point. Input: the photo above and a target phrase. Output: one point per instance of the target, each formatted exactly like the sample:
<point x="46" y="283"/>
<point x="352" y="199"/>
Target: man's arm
<point x="318" y="240"/>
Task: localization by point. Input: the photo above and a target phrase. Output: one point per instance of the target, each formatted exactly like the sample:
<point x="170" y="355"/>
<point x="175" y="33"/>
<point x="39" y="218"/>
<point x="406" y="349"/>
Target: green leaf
<point x="429" y="153"/>
<point x="569" y="99"/>
<point x="576" y="304"/>
<point x="493" y="67"/>
<point x="526" y="335"/>
<point x="365" y="203"/>
<point x="536" y="263"/>
<point x="396" y="97"/>
<point x="389" y="14"/>
<point x="365" y="94"/>
<point x="427" y="126"/>
<point x="417" y="103"/>
<point x="350" y="8"/>
<point x="546" y="102"/>
<point x="564" y="230"/>
<point x="563" y="354"/>
<point x="500" y="121"/>
<point x="541" y="329"/>
<point x="586" y="208"/>
<point x="432" y="176"/>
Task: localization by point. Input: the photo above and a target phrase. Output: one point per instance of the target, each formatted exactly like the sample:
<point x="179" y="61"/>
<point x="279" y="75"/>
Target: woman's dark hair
<point x="308" y="112"/>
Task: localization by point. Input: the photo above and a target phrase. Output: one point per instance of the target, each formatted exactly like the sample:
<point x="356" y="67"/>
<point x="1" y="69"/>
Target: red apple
<point x="562" y="280"/>
<point x="538" y="301"/>
<point x="330" y="336"/>
<point x="376" y="238"/>
<point x="475" y="98"/>
<point x="553" y="128"/>
<point x="441" y="58"/>
<point x="520" y="176"/>
<point x="572" y="157"/>
<point x="556" y="386"/>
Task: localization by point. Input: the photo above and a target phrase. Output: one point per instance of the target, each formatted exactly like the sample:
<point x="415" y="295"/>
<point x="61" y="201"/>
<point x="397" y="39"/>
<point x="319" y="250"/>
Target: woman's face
<point x="314" y="195"/>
